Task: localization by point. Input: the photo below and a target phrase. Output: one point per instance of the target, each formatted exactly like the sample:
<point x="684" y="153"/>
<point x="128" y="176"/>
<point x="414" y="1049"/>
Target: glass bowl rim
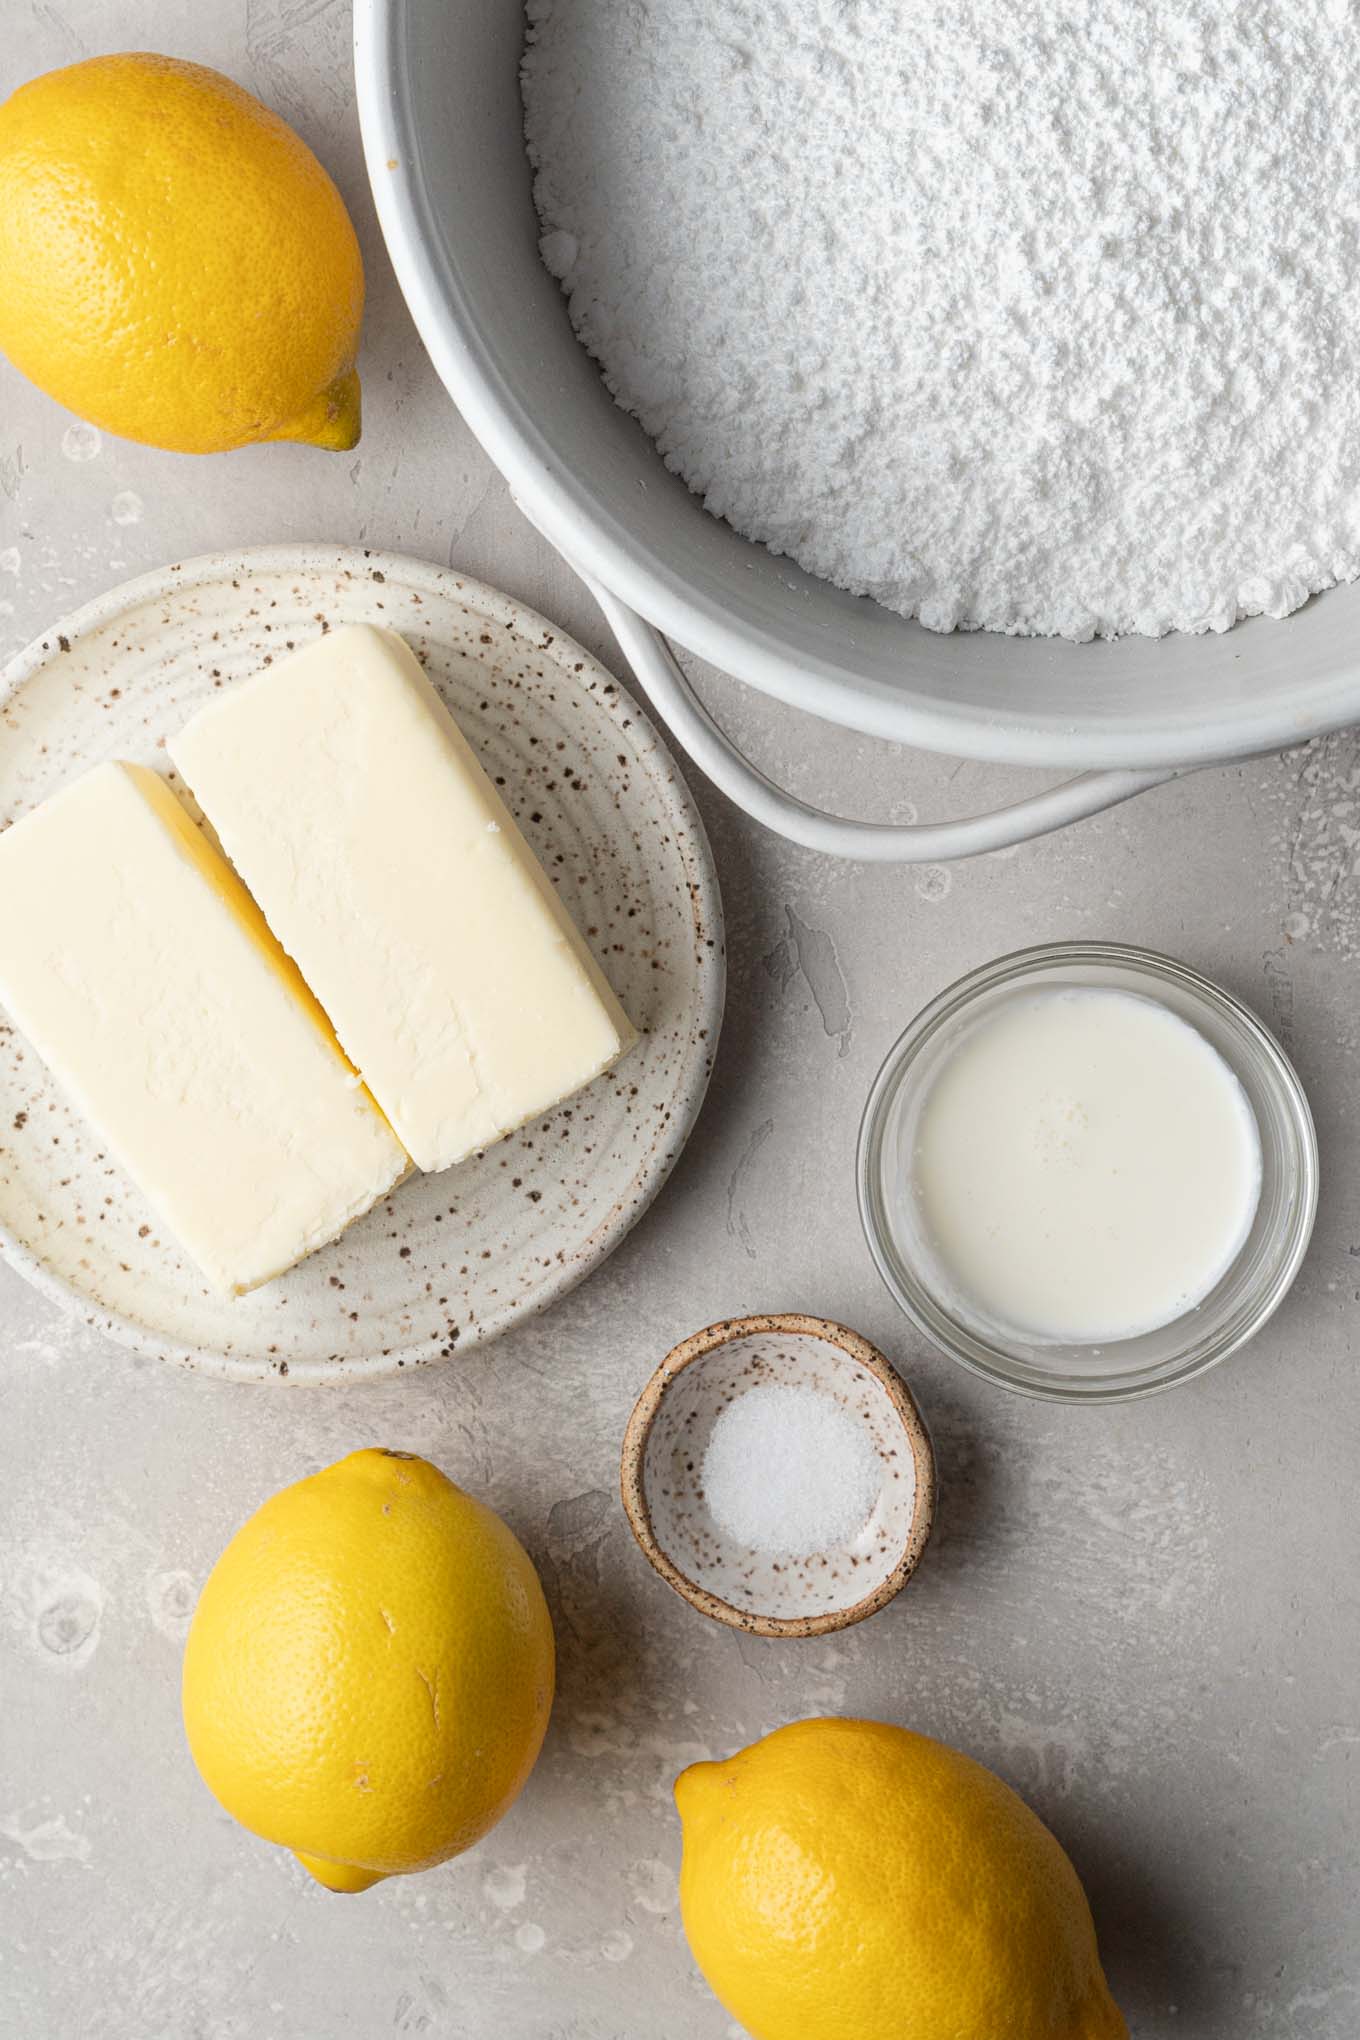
<point x="988" y="1359"/>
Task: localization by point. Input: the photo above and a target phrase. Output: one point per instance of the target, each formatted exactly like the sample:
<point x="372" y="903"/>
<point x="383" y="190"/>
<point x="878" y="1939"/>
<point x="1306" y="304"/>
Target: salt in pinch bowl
<point x="764" y="1592"/>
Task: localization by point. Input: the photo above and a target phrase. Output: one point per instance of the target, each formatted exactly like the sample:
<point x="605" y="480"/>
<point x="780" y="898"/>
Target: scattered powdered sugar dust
<point x="789" y="1470"/>
<point x="1039" y="319"/>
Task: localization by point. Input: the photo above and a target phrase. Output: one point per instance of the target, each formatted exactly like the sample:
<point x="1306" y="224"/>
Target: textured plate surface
<point x="446" y="1260"/>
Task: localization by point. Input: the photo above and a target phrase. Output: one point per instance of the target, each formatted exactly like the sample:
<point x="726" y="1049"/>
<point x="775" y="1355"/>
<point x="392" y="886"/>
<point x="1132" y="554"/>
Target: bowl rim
<point x="792" y="1325"/>
<point x="941" y="1326"/>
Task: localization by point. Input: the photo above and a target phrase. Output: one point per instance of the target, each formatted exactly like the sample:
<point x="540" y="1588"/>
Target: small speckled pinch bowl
<point x="771" y="1594"/>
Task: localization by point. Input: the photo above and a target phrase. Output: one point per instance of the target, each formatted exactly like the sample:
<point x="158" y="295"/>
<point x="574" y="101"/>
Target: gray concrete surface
<point x="1144" y="1618"/>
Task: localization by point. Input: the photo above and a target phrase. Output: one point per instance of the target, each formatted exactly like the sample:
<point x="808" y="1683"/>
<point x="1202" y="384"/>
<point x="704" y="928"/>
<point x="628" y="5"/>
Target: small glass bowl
<point x="1239" y="1304"/>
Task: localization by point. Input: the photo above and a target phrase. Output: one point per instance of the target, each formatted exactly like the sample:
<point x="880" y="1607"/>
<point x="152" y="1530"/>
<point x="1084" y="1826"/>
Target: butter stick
<point x="144" y="976"/>
<point x="391" y="870"/>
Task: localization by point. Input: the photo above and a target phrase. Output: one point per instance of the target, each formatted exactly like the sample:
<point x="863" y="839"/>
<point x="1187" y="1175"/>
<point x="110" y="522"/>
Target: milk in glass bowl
<point x="1087" y="1172"/>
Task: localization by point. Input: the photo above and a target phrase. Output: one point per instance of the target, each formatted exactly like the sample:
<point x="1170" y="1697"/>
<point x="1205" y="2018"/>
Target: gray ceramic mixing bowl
<point x="443" y="132"/>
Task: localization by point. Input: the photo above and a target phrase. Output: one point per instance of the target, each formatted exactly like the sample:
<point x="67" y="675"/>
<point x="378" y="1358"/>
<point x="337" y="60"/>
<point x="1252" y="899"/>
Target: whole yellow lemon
<point x="175" y="265"/>
<point x="369" y="1670"/>
<point x="844" y="1880"/>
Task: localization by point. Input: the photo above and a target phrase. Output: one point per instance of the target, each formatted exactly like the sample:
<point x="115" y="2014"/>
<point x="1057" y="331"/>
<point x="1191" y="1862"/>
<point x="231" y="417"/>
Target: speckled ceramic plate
<point x="448" y="1260"/>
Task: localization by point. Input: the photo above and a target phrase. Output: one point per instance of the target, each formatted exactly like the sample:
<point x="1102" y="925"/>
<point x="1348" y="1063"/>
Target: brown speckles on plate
<point x="628" y="853"/>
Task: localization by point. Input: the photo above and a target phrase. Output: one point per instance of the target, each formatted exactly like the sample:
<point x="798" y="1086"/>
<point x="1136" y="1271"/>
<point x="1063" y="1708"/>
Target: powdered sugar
<point x="1036" y="318"/>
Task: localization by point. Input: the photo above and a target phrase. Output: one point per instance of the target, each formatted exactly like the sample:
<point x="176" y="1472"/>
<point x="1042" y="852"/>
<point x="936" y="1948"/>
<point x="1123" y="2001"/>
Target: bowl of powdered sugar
<point x="778" y="1474"/>
<point x="985" y="379"/>
<point x="1039" y="320"/>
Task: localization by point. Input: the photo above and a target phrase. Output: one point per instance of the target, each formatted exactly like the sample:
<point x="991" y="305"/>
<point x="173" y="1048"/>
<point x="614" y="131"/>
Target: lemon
<point x="843" y="1880"/>
<point x="369" y="1670"/>
<point x="175" y="265"/>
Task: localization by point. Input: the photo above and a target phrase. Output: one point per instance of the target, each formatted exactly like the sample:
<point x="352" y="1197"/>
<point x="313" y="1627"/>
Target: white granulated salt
<point x="1037" y="318"/>
<point x="788" y="1470"/>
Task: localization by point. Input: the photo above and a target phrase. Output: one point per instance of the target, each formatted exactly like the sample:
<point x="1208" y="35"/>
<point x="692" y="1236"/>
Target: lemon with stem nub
<point x="175" y="264"/>
<point x="369" y="1670"/>
<point x="845" y="1880"/>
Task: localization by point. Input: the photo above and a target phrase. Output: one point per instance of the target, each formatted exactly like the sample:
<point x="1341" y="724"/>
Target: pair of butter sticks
<point x="387" y="892"/>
